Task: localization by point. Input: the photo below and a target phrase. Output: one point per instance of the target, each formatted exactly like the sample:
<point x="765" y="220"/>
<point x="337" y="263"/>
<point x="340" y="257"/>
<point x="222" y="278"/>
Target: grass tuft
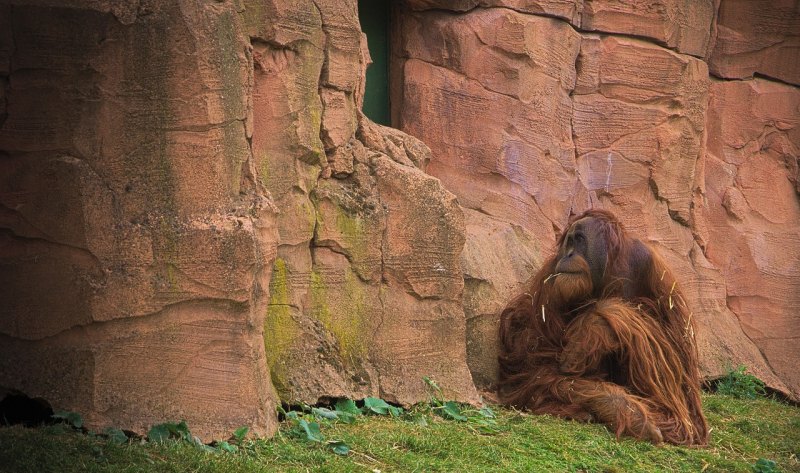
<point x="740" y="384"/>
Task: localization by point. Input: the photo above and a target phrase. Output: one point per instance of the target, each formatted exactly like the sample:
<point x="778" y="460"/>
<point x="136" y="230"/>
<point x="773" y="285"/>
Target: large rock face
<point x="751" y="223"/>
<point x="197" y="222"/>
<point x="530" y="121"/>
<point x="137" y="248"/>
<point x="196" y="218"/>
<point x="682" y="25"/>
<point x="366" y="292"/>
<point x="498" y="123"/>
<point x="757" y="37"/>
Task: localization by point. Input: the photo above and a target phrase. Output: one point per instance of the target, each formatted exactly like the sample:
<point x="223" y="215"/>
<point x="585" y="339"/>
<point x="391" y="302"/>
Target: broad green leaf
<point x="72" y="418"/>
<point x="240" y="433"/>
<point x="325" y="413"/>
<point x="381" y="407"/>
<point x="115" y="435"/>
<point x="158" y="433"/>
<point x="451" y="410"/>
<point x="376" y="406"/>
<point x="311" y="429"/>
<point x="182" y="430"/>
<point x="226" y="447"/>
<point x="348" y="406"/>
<point x="341" y="415"/>
<point x="339" y="447"/>
<point x="764" y="465"/>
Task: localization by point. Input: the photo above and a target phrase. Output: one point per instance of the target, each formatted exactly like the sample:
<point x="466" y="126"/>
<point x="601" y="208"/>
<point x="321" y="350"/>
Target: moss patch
<point x="352" y="230"/>
<point x="346" y="320"/>
<point x="280" y="329"/>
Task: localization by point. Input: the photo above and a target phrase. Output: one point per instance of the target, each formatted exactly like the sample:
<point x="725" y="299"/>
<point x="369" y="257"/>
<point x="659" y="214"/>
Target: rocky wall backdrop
<point x="197" y="222"/>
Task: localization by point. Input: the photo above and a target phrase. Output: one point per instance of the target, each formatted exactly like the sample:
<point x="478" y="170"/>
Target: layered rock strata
<point x="195" y="214"/>
<point x="137" y="246"/>
<point x="533" y="115"/>
<point x="365" y="297"/>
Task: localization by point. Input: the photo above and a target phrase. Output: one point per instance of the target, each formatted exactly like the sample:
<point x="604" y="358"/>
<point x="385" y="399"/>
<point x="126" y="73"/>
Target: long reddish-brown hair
<point x="641" y="302"/>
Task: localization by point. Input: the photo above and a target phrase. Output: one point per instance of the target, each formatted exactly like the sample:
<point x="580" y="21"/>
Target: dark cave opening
<point x="375" y="20"/>
<point x="16" y="408"/>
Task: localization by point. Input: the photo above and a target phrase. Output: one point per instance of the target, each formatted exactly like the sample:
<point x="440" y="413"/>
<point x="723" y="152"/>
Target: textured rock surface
<point x="683" y="25"/>
<point x="757" y="37"/>
<point x="498" y="122"/>
<point x="529" y="121"/>
<point x="567" y="9"/>
<point x="639" y="127"/>
<point x="752" y="217"/>
<point x="366" y="291"/>
<point x="136" y="248"/>
<point x="151" y="276"/>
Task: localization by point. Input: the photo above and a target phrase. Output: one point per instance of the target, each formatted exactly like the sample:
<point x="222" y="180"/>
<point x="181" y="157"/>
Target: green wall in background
<point x="374" y="18"/>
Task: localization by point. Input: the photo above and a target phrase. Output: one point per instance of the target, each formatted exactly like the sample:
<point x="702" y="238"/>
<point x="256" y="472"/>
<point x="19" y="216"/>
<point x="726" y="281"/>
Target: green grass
<point x="744" y="431"/>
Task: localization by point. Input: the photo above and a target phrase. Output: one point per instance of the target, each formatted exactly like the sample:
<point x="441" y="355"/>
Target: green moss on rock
<point x="346" y="320"/>
<point x="280" y="328"/>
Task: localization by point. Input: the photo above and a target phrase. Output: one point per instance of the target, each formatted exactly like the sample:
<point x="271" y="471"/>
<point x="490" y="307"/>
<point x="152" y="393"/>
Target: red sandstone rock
<point x="637" y="126"/>
<point x="452" y="5"/>
<point x="525" y="172"/>
<point x="498" y="257"/>
<point x="473" y="90"/>
<point x="753" y="213"/>
<point x="489" y="93"/>
<point x="683" y="25"/>
<point x="567" y="9"/>
<point x="517" y="85"/>
<point x="366" y="291"/>
<point x="135" y="241"/>
<point x="757" y="37"/>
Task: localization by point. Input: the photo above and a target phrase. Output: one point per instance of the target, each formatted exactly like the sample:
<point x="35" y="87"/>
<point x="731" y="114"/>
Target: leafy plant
<point x="169" y="430"/>
<point x="305" y="423"/>
<point x="340" y="413"/>
<point x="339" y="447"/>
<point x="226" y="446"/>
<point x="484" y="419"/>
<point x="765" y="466"/>
<point x="527" y="443"/>
<point x="72" y="418"/>
<point x="239" y="434"/>
<point x="234" y="442"/>
<point x="307" y="430"/>
<point x="740" y="384"/>
<point x="347" y="410"/>
<point x="374" y="405"/>
<point x="115" y="435"/>
<point x="305" y="426"/>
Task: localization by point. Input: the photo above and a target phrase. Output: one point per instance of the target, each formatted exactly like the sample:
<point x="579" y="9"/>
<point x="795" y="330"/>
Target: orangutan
<point x="602" y="333"/>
